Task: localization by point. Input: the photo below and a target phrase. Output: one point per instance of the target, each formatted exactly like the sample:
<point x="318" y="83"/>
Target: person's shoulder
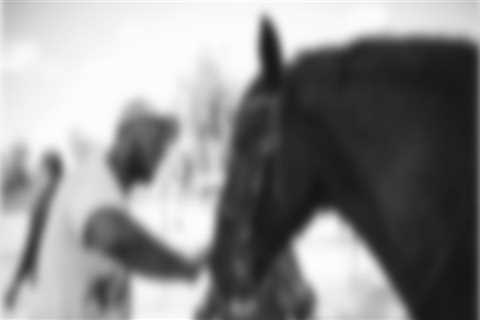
<point x="92" y="167"/>
<point x="93" y="182"/>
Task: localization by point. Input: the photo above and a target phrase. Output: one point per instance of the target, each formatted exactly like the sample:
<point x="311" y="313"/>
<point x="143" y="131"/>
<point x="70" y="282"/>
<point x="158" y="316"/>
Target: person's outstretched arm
<point x="112" y="231"/>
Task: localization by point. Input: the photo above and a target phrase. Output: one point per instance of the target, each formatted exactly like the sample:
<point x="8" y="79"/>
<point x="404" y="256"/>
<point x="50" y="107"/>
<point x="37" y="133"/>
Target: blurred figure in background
<point x="91" y="243"/>
<point x="16" y="181"/>
<point x="53" y="170"/>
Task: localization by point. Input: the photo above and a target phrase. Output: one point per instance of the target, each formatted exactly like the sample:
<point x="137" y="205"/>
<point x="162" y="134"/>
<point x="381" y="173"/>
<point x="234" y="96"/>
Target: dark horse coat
<point x="384" y="130"/>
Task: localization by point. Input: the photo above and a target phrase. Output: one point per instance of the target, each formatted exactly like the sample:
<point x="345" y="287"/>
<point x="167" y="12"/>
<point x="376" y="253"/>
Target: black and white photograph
<point x="239" y="160"/>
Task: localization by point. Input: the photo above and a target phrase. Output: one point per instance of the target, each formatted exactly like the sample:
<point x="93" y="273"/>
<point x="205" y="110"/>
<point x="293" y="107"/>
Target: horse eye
<point x="256" y="181"/>
<point x="268" y="146"/>
<point x="239" y="268"/>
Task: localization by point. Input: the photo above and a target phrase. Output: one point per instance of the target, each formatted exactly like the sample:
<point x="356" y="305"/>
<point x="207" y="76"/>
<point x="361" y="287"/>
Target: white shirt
<point x="68" y="271"/>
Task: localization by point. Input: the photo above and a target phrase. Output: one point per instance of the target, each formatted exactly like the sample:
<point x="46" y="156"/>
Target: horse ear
<point x="270" y="53"/>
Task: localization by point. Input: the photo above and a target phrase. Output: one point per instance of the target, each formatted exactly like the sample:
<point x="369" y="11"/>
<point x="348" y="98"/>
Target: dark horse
<point x="384" y="130"/>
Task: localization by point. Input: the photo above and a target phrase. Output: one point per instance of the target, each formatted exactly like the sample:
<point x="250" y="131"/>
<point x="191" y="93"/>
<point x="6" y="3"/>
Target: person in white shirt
<point x="91" y="244"/>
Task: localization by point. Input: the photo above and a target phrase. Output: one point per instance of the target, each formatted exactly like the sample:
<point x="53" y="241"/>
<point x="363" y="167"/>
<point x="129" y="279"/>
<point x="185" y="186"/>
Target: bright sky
<point x="71" y="65"/>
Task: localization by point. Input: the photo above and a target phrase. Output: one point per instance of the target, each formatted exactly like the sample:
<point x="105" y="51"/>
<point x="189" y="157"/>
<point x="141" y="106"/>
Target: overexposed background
<point x="77" y="62"/>
<point x="70" y="67"/>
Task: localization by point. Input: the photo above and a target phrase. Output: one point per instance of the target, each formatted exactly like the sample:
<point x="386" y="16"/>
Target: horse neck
<point x="362" y="214"/>
<point x="428" y="292"/>
<point x="349" y="191"/>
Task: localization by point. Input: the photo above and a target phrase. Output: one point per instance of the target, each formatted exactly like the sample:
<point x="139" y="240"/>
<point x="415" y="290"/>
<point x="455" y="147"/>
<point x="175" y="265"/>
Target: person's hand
<point x="203" y="258"/>
<point x="10" y="296"/>
<point x="197" y="264"/>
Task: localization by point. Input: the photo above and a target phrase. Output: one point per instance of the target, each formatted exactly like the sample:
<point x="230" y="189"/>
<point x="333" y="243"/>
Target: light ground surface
<point x="347" y="281"/>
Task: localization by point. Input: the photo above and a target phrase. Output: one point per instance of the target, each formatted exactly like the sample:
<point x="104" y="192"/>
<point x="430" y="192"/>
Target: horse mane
<point x="419" y="62"/>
